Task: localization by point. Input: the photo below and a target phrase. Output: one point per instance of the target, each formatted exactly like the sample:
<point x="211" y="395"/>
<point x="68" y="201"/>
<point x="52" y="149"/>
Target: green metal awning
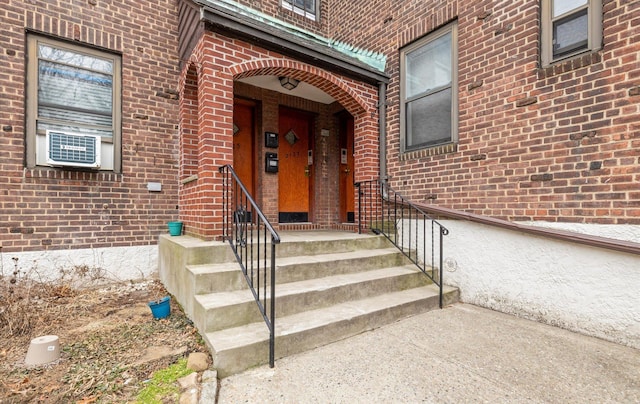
<point x="232" y="19"/>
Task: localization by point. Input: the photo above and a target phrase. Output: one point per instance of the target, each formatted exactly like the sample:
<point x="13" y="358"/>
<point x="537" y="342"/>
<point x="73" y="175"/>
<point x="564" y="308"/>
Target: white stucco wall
<point x="626" y="232"/>
<point x="84" y="267"/>
<point x="586" y="289"/>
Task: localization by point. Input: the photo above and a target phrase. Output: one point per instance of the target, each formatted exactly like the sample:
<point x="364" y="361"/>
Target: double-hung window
<point x="308" y="8"/>
<point x="428" y="90"/>
<point x="570" y="27"/>
<point x="72" y="91"/>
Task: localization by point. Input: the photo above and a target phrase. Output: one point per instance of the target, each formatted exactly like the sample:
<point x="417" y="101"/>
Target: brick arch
<point x="201" y="196"/>
<point x="358" y="98"/>
<point x="340" y="88"/>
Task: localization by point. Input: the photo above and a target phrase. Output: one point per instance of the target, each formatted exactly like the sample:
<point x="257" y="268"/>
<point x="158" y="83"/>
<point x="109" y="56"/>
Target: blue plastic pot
<point x="161" y="308"/>
<point x="175" y="228"/>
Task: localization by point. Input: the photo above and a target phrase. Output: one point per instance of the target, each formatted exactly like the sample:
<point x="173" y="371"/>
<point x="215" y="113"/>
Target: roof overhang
<point x="228" y="22"/>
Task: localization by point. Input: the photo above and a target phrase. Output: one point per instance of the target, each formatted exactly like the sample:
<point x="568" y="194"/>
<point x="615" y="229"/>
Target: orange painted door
<point x="243" y="140"/>
<point x="296" y="167"/>
<point x="347" y="194"/>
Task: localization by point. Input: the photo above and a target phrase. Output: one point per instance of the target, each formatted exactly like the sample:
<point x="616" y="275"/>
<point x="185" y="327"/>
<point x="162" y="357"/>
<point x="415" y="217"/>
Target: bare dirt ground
<point x="110" y="344"/>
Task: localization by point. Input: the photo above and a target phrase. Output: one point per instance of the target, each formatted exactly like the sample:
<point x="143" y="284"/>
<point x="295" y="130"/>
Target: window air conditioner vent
<point x="73" y="149"/>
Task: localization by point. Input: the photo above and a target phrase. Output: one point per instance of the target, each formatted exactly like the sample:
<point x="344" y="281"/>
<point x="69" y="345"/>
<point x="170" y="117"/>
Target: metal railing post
<point x="272" y="336"/>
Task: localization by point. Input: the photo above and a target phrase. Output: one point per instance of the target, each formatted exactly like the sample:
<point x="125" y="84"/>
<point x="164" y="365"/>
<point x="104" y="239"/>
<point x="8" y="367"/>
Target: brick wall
<point x="46" y="208"/>
<point x="554" y="144"/>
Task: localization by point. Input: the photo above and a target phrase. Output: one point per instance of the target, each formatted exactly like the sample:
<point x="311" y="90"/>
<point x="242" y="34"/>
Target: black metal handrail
<point x="248" y="230"/>
<point x="383" y="211"/>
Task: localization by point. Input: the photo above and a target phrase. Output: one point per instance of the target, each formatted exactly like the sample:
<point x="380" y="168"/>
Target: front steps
<point x="330" y="286"/>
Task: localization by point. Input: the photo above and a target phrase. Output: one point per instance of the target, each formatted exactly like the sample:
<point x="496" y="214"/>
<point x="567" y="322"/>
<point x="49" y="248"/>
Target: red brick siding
<point x="555" y="144"/>
<point x="189" y="126"/>
<point x="46" y="208"/>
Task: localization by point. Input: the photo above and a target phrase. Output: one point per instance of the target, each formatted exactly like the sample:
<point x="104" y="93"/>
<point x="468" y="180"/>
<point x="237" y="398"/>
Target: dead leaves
<point x="100" y="352"/>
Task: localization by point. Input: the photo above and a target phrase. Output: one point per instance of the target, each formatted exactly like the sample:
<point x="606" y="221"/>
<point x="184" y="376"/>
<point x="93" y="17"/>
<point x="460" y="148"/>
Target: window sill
<point x="429" y="151"/>
<point x="71" y="174"/>
<point x="570" y="64"/>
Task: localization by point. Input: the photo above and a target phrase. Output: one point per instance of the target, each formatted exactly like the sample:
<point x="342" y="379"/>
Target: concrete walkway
<point x="460" y="354"/>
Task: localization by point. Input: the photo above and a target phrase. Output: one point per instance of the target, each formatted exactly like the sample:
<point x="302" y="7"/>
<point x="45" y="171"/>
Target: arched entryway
<point x="314" y="138"/>
<point x="310" y="138"/>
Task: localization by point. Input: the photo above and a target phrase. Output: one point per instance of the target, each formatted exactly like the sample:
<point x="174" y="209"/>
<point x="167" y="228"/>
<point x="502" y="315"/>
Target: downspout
<point x="382" y="129"/>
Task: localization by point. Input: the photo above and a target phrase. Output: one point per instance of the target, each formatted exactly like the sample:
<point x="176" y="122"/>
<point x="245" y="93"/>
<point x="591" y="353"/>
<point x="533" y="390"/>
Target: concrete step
<point x="189" y="266"/>
<point x="294" y="244"/>
<point x="227" y="276"/>
<point x="330" y="285"/>
<point x="216" y="311"/>
<point x="212" y="278"/>
<point x="299" y="268"/>
<point x="237" y="349"/>
<point x="318" y="246"/>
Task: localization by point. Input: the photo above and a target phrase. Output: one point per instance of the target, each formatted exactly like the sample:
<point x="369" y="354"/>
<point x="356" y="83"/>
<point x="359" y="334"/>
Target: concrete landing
<point x="462" y="353"/>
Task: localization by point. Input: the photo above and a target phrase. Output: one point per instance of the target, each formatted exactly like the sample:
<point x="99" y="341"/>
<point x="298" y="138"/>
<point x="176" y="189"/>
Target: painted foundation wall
<point x="83" y="267"/>
<point x="585" y="289"/>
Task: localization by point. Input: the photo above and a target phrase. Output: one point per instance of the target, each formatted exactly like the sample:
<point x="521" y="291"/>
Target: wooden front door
<point x="243" y="140"/>
<point x="347" y="194"/>
<point x="296" y="166"/>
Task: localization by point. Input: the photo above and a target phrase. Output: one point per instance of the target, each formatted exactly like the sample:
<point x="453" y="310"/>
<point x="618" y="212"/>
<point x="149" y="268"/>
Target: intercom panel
<point x="271" y="140"/>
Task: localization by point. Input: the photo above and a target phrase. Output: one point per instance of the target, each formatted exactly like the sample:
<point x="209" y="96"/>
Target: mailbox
<point x="271" y="163"/>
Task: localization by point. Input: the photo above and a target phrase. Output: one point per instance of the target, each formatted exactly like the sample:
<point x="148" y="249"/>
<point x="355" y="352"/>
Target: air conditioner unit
<point x="73" y="149"/>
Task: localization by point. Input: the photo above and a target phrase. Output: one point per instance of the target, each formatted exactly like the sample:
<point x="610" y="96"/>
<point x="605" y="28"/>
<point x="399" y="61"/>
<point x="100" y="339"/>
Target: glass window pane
<point x="311" y="6"/>
<point x="75" y="59"/>
<point x="428" y="67"/>
<point x="429" y="119"/>
<point x="74" y="88"/>
<point x="570" y="34"/>
<point x="562" y="6"/>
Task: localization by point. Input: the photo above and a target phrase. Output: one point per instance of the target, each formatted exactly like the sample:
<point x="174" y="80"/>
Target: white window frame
<point x="290" y="5"/>
<point x="594" y="36"/>
<point x="404" y="127"/>
<point x="36" y="139"/>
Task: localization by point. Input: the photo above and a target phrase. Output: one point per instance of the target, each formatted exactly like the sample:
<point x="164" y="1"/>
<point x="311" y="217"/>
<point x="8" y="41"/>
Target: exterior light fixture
<point x="288" y="82"/>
